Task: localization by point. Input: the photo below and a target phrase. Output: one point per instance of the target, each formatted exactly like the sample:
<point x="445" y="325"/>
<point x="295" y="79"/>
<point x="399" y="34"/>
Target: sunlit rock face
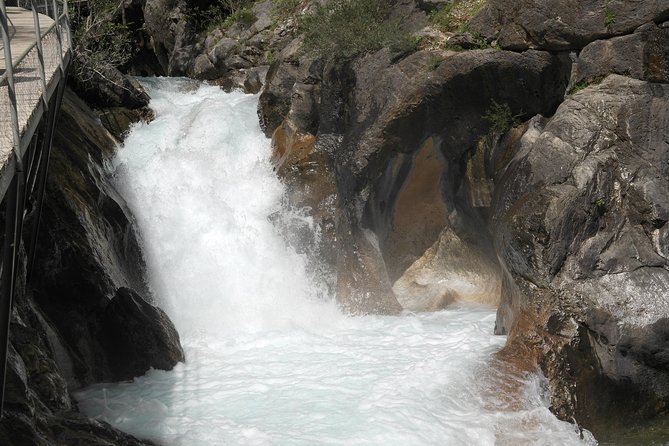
<point x="558" y="25"/>
<point x="642" y="55"/>
<point x="586" y="247"/>
<point x="451" y="270"/>
<point x="561" y="221"/>
<point x="401" y="155"/>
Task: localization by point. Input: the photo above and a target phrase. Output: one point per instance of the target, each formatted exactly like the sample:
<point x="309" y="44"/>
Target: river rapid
<point x="270" y="359"/>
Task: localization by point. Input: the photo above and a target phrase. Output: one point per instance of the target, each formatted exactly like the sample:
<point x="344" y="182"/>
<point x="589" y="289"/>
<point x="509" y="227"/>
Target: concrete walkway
<point x="22" y="32"/>
<point x="27" y="80"/>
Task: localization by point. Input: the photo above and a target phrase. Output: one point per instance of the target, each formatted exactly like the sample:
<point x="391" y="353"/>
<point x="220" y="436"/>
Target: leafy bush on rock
<point x="346" y="28"/>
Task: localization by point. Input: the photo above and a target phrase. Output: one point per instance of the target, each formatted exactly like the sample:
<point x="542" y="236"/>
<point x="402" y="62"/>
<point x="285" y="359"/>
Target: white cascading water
<point x="270" y="360"/>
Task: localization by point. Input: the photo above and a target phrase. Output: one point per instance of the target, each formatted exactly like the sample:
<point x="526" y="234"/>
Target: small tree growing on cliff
<point x="501" y="117"/>
<point x="222" y="14"/>
<point x="101" y="41"/>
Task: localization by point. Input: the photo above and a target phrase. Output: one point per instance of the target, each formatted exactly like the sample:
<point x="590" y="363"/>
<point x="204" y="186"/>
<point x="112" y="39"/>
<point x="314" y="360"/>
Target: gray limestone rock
<point x="579" y="220"/>
<point x="563" y="25"/>
<point x="642" y="55"/>
<point x="203" y="68"/>
<point x="395" y="132"/>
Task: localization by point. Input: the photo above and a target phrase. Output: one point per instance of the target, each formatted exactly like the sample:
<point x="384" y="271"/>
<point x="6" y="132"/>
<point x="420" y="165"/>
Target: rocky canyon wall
<point x="560" y="221"/>
<point x="529" y="171"/>
<point x="85" y="311"/>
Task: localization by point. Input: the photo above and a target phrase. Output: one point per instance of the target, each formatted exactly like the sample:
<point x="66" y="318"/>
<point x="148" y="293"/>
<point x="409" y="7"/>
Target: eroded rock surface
<point x="562" y="219"/>
<point x="138" y="336"/>
<point x="643" y="55"/>
<point x="398" y="148"/>
<point x="581" y="215"/>
<point x="563" y="25"/>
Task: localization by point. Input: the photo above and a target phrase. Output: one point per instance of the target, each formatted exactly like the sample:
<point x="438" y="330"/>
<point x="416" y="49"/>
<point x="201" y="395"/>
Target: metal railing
<point x="31" y="89"/>
<point x="24" y="82"/>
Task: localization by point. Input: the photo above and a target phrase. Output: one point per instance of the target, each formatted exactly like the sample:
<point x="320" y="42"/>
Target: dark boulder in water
<point x="138" y="336"/>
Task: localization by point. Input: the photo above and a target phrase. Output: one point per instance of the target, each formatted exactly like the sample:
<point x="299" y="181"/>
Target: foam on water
<point x="200" y="183"/>
<point x="270" y="359"/>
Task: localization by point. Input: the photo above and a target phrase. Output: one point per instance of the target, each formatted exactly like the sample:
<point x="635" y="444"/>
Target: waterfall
<point x="270" y="360"/>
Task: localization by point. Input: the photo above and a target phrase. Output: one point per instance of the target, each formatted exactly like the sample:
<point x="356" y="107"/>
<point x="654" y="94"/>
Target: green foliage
<point x="222" y="15"/>
<point x="579" y="86"/>
<point x="501" y="117"/>
<point x="282" y="9"/>
<point x="100" y="40"/>
<point x="609" y="17"/>
<point x="600" y="204"/>
<point x="609" y="14"/>
<point x="455" y="16"/>
<point x="585" y="83"/>
<point x="345" y="28"/>
<point x="206" y="20"/>
<point x="270" y="57"/>
<point x="245" y="17"/>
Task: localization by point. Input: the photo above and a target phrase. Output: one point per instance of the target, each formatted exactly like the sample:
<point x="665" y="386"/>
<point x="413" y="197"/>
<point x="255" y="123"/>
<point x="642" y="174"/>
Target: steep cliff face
<point x="561" y="221"/>
<point x="77" y="301"/>
<point x="398" y="135"/>
<point x="425" y="197"/>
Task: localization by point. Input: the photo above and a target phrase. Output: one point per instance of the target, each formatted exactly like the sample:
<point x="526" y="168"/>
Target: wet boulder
<point x="108" y="87"/>
<point x="86" y="226"/>
<point x="138" y="336"/>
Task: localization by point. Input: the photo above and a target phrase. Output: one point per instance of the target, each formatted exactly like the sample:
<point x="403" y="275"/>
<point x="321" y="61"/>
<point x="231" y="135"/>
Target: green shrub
<point x="345" y="28"/>
<point x="270" y="57"/>
<point x="455" y="16"/>
<point x="578" y="87"/>
<point x="222" y="15"/>
<point x="245" y="17"/>
<point x="282" y="9"/>
<point x="100" y="41"/>
<point x="609" y="18"/>
<point x="501" y="117"/>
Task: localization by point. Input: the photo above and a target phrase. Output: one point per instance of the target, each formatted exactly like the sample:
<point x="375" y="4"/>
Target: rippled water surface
<point x="270" y="360"/>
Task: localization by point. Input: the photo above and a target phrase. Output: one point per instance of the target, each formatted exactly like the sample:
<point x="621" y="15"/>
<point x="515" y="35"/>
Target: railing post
<point x="66" y="13"/>
<point x="16" y="195"/>
<point x="40" y="57"/>
<point x="43" y="175"/>
<point x="8" y="270"/>
<point x="59" y="39"/>
<point x="9" y="70"/>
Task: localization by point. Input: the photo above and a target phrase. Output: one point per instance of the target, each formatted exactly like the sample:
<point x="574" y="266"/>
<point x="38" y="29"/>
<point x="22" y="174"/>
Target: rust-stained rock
<point x="585" y="246"/>
<point x="290" y="146"/>
<point x="452" y="270"/>
<point x="414" y="204"/>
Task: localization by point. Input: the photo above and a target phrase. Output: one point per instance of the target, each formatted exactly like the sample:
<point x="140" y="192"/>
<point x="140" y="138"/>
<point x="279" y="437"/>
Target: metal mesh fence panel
<point x="27" y="79"/>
